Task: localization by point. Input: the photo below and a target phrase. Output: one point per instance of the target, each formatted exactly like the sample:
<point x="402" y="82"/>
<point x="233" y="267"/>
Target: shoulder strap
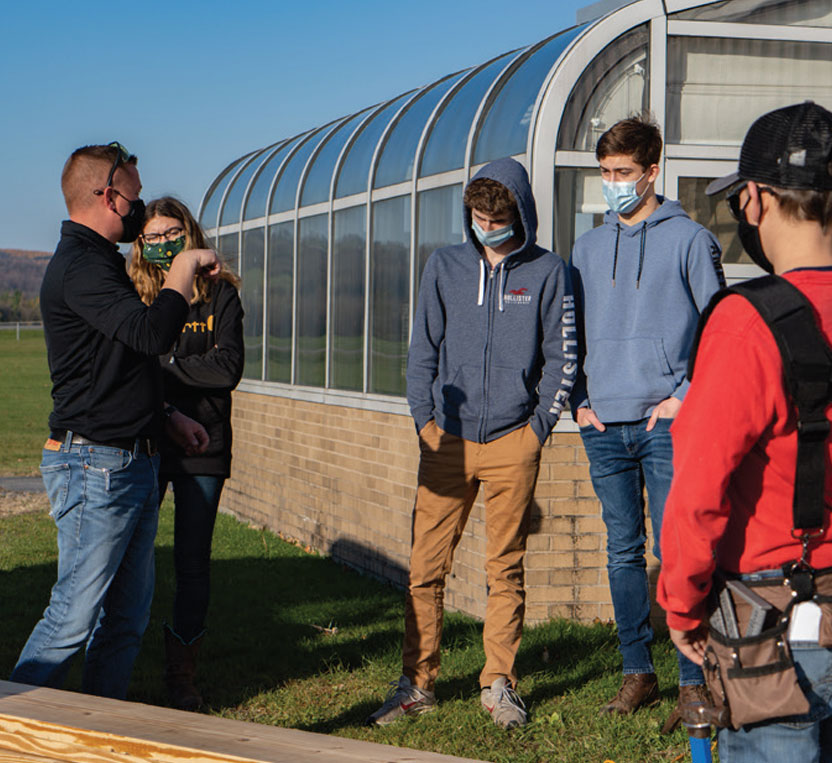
<point x="807" y="370"/>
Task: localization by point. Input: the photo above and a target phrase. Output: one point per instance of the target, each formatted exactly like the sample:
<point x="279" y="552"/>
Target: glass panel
<point x="713" y="213"/>
<point x="353" y="175"/>
<point x="347" y="332"/>
<point x="287" y="186"/>
<point x="505" y="129"/>
<point x="440" y="223"/>
<point x="231" y="208"/>
<point x="256" y="202"/>
<point x="389" y="295"/>
<point x="228" y="252"/>
<point x="281" y="255"/>
<point x="395" y="165"/>
<point x="717" y="87"/>
<point x="311" y="315"/>
<point x="793" y="12"/>
<point x="445" y="147"/>
<point x="579" y="206"/>
<point x="611" y="88"/>
<point x="318" y="180"/>
<point x="208" y="217"/>
<point x="251" y="295"/>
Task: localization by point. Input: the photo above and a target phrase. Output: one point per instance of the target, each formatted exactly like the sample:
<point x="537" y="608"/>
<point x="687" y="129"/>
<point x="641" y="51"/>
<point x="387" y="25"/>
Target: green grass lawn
<point x="26" y="400"/>
<point x="267" y="658"/>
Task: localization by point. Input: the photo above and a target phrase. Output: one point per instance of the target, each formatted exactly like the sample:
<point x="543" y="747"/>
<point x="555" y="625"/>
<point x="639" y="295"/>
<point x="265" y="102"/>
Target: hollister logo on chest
<point x="518" y="296"/>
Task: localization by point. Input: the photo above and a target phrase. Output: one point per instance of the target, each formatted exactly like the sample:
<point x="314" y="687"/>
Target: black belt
<point x="146" y="445"/>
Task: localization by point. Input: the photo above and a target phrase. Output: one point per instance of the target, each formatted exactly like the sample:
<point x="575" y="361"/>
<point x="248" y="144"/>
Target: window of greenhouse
<point x="389" y="295"/>
<point x="445" y="147"/>
<point x="713" y="213"/>
<point x="280" y="289"/>
<point x="211" y="207"/>
<point x="347" y="329"/>
<point x="285" y="194"/>
<point x="256" y="202"/>
<point x="440" y="223"/>
<point x="310" y="350"/>
<point x="780" y="12"/>
<point x="319" y="178"/>
<point x="395" y="165"/>
<point x="228" y="251"/>
<point x="612" y="87"/>
<point x="251" y="294"/>
<point x="505" y="129"/>
<point x="717" y="86"/>
<point x="355" y="169"/>
<point x="579" y="206"/>
<point x="234" y="199"/>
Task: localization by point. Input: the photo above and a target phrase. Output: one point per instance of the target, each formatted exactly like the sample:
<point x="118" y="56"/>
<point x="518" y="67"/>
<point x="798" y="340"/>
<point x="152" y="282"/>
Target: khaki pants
<point x="450" y="472"/>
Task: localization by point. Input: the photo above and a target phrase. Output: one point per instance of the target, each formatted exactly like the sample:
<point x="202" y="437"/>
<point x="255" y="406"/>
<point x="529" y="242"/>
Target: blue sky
<point x="190" y="86"/>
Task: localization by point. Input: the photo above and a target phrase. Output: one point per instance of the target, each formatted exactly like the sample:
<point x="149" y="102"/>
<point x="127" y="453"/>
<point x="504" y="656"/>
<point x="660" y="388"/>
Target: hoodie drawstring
<point x="641" y="253"/>
<point x="615" y="256"/>
<point x="481" y="292"/>
<point x="500" y="294"/>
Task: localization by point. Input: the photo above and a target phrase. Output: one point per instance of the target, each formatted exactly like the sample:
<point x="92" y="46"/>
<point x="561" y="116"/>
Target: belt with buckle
<point x="146" y="445"/>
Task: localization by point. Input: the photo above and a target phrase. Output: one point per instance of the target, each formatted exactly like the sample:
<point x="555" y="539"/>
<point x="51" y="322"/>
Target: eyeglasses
<point x="733" y="199"/>
<point x="122" y="156"/>
<point x="169" y="235"/>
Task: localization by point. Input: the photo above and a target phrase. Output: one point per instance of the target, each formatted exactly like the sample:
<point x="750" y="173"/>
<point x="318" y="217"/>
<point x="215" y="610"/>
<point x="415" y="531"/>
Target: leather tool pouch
<point x="754" y="676"/>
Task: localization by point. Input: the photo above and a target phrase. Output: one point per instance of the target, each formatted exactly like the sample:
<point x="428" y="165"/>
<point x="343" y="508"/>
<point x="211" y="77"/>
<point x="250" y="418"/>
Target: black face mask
<point x="750" y="239"/>
<point x="132" y="221"/>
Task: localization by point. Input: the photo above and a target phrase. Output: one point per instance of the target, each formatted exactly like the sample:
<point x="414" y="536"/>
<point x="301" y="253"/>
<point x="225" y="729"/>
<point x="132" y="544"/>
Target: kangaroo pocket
<point x="632" y="368"/>
<point x="461" y="397"/>
<point x="509" y="399"/>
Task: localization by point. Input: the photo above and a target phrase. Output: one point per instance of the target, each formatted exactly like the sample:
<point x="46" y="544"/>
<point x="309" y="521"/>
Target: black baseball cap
<point x="787" y="148"/>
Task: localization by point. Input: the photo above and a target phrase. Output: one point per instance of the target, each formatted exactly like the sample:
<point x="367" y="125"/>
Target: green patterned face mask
<point x="162" y="254"/>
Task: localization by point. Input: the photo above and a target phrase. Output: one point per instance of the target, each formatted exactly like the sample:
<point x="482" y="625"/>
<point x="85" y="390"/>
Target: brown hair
<point x="491" y="198"/>
<point x="806" y="205"/>
<point x="638" y="137"/>
<point x="148" y="278"/>
<point x="86" y="171"/>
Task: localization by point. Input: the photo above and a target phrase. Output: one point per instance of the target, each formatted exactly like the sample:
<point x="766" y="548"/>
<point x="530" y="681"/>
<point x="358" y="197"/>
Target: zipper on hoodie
<point x="486" y="375"/>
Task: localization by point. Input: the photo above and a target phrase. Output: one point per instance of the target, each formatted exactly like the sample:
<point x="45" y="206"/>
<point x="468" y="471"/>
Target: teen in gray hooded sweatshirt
<point x="641" y="280"/>
<point x="492" y="361"/>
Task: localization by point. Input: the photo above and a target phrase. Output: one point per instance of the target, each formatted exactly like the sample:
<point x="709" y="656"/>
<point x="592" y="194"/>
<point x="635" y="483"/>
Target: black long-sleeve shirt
<point x="102" y="341"/>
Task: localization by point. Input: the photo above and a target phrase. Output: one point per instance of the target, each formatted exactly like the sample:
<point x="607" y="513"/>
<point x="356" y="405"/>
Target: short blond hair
<point x="86" y="171"/>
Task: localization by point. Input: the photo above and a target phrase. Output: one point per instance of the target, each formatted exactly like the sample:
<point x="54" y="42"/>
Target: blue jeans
<point x="622" y="460"/>
<point x="806" y="738"/>
<point x="105" y="504"/>
<point x="196" y="498"/>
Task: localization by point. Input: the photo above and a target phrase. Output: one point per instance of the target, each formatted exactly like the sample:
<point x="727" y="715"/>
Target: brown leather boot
<point x="696" y="693"/>
<point x="637" y="690"/>
<point x="180" y="670"/>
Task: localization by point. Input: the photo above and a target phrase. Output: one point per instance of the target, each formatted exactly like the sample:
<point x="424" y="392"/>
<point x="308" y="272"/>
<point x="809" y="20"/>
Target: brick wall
<point x="342" y="480"/>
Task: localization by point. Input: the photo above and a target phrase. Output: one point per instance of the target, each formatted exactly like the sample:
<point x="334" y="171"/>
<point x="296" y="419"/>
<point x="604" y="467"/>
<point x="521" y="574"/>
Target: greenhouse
<point x="330" y="230"/>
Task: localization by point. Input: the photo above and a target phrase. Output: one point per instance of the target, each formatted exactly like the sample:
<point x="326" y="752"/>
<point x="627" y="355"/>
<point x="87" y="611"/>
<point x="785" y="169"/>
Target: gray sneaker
<point x="403" y="699"/>
<point x="506" y="708"/>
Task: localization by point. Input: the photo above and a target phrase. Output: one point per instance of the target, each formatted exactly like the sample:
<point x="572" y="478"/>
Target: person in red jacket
<point x="199" y="371"/>
<point x="735" y="438"/>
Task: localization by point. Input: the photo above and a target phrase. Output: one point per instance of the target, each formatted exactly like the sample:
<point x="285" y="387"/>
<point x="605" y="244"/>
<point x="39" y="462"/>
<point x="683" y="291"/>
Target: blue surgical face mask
<point x="492" y="238"/>
<point x="621" y="196"/>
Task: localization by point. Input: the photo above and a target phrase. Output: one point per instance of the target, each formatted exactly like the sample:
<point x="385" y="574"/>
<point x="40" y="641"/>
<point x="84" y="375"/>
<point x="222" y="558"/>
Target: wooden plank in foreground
<point x="39" y="725"/>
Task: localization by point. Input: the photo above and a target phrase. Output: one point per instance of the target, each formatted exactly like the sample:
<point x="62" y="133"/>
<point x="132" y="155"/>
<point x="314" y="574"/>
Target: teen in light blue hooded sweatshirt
<point x="640" y="279"/>
<point x="492" y="361"/>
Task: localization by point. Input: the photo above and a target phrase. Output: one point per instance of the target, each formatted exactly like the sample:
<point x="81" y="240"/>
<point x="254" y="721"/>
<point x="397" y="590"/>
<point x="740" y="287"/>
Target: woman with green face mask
<point x="199" y="372"/>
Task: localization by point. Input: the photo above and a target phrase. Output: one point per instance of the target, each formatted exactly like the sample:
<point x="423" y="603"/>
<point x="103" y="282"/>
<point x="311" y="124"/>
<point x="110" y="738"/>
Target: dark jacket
<point x="206" y="363"/>
<point x="493" y="348"/>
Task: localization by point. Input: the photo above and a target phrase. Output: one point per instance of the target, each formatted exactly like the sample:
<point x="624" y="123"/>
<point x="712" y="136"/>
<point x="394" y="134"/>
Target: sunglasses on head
<point x="122" y="157"/>
<point x="733" y="199"/>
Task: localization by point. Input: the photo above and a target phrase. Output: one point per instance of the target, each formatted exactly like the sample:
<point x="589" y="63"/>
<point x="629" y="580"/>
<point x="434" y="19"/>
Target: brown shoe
<point x="696" y="694"/>
<point x="637" y="690"/>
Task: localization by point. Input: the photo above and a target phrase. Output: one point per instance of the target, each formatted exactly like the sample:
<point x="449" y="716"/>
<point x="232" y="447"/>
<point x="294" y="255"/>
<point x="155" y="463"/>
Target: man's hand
<point x="190" y="435"/>
<point x="586" y="416"/>
<point x="208" y="263"/>
<point x="691" y="643"/>
<point x="666" y="409"/>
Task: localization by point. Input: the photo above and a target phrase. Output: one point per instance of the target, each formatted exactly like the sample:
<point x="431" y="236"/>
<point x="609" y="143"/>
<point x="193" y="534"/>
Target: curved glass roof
<point x="395" y="165"/>
<point x="211" y="203"/>
<point x="285" y="193"/>
<point x="234" y="198"/>
<point x="256" y="202"/>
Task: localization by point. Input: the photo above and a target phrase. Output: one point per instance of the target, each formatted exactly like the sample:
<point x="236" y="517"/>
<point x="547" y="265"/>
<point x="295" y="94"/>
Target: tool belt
<point x="748" y="663"/>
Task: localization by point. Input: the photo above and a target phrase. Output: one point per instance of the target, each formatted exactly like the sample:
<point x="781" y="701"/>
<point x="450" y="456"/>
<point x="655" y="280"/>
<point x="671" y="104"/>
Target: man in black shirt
<point x="100" y="463"/>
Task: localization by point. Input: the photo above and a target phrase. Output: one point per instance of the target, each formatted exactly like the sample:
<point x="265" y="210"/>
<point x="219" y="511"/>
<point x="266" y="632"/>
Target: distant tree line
<point x="21" y="273"/>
